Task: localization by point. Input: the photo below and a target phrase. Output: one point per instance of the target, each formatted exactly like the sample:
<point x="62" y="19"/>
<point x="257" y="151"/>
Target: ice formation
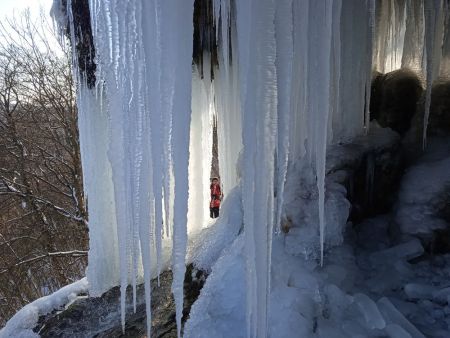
<point x="290" y="79"/>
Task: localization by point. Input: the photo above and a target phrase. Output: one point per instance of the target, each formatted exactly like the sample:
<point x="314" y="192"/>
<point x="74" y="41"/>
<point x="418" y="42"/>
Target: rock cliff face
<point x="362" y="179"/>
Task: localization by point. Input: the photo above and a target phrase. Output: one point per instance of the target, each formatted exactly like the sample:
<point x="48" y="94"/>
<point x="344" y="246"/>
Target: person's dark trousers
<point x="214" y="212"/>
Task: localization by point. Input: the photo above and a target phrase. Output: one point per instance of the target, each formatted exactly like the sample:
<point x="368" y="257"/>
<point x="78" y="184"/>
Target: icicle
<point x="227" y="98"/>
<point x="284" y="36"/>
<point x="433" y="47"/>
<point x="154" y="78"/>
<point x="319" y="86"/>
<point x="370" y="31"/>
<point x="180" y="13"/>
<point x="298" y="130"/>
<point x="412" y="48"/>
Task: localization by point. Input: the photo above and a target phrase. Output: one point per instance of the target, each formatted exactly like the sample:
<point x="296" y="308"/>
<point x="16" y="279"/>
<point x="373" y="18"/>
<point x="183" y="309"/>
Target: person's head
<point x="215" y="181"/>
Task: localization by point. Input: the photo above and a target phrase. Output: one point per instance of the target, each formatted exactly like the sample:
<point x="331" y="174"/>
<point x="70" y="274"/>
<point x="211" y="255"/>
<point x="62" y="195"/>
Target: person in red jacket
<point x="216" y="197"/>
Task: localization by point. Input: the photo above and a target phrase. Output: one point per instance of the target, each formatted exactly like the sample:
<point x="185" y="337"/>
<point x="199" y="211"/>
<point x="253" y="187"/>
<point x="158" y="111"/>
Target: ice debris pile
<point x="285" y="86"/>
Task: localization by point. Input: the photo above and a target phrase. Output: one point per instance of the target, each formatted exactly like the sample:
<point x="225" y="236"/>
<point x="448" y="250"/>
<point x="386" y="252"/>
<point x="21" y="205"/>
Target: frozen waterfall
<point x="289" y="78"/>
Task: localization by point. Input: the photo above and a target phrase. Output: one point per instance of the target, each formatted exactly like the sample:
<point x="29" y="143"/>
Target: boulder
<point x="439" y="121"/>
<point x="394" y="99"/>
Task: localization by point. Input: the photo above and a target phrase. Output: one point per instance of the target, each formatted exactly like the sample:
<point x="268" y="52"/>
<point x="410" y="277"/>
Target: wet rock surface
<point x="100" y="316"/>
<point x="394" y="99"/>
<point x="439" y="121"/>
<point x="372" y="170"/>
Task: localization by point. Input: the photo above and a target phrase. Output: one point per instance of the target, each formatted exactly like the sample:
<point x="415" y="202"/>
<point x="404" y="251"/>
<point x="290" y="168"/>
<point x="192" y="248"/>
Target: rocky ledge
<point x="100" y="316"/>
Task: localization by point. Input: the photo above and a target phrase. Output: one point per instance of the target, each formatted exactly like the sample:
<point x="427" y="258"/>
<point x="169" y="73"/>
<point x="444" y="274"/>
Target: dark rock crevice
<point x="84" y="41"/>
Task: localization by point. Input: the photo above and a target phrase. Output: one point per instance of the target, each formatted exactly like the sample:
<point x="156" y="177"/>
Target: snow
<point x="23" y="322"/>
<point x="219" y="235"/>
<point x="220" y="310"/>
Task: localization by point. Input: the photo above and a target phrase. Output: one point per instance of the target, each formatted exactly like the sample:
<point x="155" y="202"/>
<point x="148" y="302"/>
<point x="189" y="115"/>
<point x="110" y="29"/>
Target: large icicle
<point x="285" y="45"/>
<point x="433" y="48"/>
<point x="298" y="132"/>
<point x="148" y="96"/>
<point x="227" y="95"/>
<point x="319" y="86"/>
<point x="257" y="52"/>
<point x="370" y="35"/>
<point x="178" y="14"/>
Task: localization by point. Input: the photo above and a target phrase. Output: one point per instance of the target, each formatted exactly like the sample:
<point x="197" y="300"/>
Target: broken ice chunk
<point x="419" y="291"/>
<point x="373" y="317"/>
<point x="393" y="316"/>
<point x="408" y="250"/>
<point x="396" y="331"/>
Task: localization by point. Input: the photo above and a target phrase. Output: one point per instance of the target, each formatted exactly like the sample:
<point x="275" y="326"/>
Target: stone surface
<point x="440" y="108"/>
<point x="100" y="316"/>
<point x="394" y="99"/>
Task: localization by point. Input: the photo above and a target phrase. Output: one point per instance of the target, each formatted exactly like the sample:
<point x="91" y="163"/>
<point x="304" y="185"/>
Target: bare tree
<point x="43" y="216"/>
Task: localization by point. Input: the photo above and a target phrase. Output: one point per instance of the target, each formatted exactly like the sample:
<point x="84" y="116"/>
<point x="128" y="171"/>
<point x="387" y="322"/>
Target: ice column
<point x="134" y="129"/>
<point x="98" y="188"/>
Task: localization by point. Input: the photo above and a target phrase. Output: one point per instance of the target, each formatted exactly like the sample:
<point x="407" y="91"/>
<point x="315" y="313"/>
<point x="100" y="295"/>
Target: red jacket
<point x="216" y="195"/>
